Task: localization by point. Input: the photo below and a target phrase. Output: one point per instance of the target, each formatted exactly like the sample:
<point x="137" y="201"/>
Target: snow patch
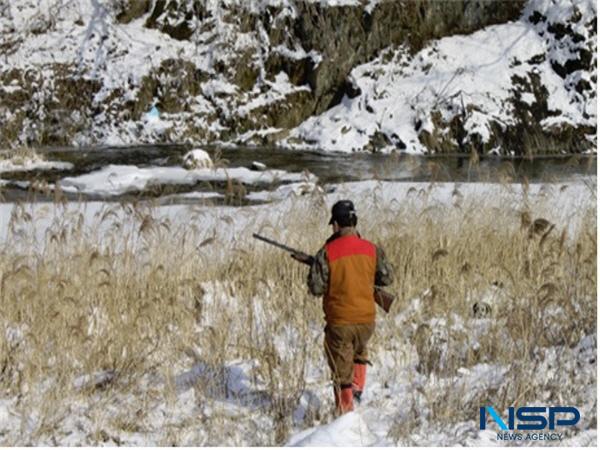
<point x="33" y="164"/>
<point x="349" y="430"/>
<point x="119" y="179"/>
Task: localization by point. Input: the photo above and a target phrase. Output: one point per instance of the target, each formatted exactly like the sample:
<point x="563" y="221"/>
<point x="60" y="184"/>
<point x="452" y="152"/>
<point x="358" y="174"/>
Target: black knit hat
<point x="343" y="213"/>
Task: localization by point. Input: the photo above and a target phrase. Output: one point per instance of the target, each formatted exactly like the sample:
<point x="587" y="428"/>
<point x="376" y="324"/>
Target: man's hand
<point x="303" y="258"/>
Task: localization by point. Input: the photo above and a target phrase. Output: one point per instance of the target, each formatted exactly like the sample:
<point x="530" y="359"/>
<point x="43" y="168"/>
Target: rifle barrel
<point x="275" y="243"/>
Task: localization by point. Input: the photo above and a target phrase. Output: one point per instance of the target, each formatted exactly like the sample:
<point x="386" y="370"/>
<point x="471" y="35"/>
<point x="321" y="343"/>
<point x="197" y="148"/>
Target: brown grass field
<point x="97" y="325"/>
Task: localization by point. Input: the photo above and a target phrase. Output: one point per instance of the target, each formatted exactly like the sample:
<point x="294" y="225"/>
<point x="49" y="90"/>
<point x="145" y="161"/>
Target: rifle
<point x="382" y="298"/>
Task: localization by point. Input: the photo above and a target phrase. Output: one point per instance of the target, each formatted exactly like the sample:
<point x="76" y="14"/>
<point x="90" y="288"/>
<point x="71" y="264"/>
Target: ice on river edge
<point x="32" y="164"/>
<point x="118" y="179"/>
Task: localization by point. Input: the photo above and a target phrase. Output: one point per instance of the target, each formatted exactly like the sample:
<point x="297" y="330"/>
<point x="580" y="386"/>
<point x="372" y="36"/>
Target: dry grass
<point x="20" y="156"/>
<point x="143" y="300"/>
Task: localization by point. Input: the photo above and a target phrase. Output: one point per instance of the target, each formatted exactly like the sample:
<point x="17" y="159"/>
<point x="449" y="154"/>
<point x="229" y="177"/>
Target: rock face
<point x="234" y="71"/>
<point x="348" y="36"/>
<point x="515" y="88"/>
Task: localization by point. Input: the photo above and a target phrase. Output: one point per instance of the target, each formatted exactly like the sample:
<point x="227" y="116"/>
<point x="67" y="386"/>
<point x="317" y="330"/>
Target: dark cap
<point x="343" y="213"/>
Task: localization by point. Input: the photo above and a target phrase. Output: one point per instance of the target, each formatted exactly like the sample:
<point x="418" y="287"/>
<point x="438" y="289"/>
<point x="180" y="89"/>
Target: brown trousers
<point x="344" y="346"/>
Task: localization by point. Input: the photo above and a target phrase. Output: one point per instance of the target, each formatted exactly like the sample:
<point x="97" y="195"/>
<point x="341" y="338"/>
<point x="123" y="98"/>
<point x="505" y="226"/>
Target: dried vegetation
<point x="104" y="318"/>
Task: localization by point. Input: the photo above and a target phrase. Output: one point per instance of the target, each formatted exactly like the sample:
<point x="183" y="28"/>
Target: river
<point x="330" y="168"/>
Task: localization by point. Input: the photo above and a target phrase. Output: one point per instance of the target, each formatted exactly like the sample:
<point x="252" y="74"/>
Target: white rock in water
<point x="258" y="166"/>
<point x="197" y="159"/>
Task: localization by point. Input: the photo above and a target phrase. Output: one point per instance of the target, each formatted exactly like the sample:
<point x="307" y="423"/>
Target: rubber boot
<point x="359" y="381"/>
<point x="343" y="400"/>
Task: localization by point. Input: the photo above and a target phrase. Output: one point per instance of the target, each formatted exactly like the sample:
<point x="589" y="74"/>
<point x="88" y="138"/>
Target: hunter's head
<point x="343" y="215"/>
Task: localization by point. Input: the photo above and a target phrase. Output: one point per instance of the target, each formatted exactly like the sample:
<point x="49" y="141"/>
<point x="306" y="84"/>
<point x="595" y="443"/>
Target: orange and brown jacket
<point x="345" y="271"/>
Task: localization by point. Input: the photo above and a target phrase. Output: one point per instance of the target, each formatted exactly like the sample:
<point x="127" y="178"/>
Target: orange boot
<point x="359" y="381"/>
<point x="343" y="399"/>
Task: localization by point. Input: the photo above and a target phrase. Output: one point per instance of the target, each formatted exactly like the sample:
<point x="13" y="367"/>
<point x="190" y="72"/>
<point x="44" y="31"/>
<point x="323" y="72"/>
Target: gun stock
<point x="384" y="299"/>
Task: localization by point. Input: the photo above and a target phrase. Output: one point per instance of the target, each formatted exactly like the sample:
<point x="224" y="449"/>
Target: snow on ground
<point x="194" y="196"/>
<point x="390" y="400"/>
<point x="8" y="165"/>
<point x="349" y="430"/>
<point x="285" y="191"/>
<point x="395" y="389"/>
<point x="559" y="203"/>
<point x="393" y="396"/>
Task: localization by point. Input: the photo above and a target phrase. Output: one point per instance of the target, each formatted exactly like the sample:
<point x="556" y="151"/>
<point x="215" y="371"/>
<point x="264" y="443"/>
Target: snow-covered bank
<point x="340" y="75"/>
<point x="25" y="160"/>
<point x="558" y="203"/>
<point x="10" y="166"/>
<point x="115" y="180"/>
<point x="465" y="93"/>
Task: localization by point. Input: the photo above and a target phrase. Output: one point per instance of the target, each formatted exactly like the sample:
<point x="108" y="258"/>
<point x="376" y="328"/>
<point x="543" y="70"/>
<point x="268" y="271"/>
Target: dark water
<point x="330" y="168"/>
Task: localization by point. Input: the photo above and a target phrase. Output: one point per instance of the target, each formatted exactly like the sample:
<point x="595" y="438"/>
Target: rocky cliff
<point x="277" y="71"/>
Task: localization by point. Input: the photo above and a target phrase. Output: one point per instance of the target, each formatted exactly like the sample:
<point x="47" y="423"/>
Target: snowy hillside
<point x="343" y="75"/>
<point x="511" y="88"/>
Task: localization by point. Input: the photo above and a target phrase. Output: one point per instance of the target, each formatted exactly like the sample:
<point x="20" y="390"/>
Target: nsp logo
<point x="530" y="418"/>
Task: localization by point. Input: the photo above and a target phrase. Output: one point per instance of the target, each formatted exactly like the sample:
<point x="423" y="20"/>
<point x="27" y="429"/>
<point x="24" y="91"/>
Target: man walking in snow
<point x="345" y="272"/>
